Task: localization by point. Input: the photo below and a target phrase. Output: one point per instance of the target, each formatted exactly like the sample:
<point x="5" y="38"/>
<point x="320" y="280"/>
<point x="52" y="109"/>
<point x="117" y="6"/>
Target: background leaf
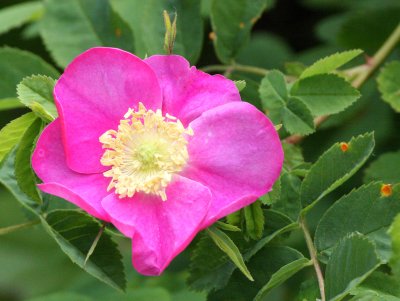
<point x="389" y="84"/>
<point x="385" y="168"/>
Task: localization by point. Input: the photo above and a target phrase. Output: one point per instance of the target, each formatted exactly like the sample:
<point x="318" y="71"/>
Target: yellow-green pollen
<point x="145" y="152"/>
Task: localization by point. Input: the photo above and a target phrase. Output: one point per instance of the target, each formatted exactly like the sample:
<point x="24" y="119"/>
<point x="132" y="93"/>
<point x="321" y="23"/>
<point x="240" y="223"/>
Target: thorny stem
<point x="365" y="71"/>
<point x="314" y="259"/>
<point x="14" y="228"/>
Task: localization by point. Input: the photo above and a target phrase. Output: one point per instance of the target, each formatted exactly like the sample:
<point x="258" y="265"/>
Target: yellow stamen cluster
<point x="145" y="152"/>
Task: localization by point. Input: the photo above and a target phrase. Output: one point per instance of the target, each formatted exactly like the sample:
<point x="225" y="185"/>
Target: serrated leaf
<point x="394" y="232"/>
<point x="379" y="282"/>
<point x="71" y="27"/>
<point x="341" y="166"/>
<point x="289" y="201"/>
<point x="273" y="90"/>
<point x="23" y="171"/>
<point x="373" y="296"/>
<point x="19" y="14"/>
<point x="228" y="246"/>
<point x="36" y="92"/>
<point x="325" y="93"/>
<point x="240" y="84"/>
<point x="293" y="156"/>
<point x="272" y="196"/>
<point x="282" y="275"/>
<point x="254" y="220"/>
<point x="75" y="231"/>
<point x="16" y="64"/>
<point x="12" y="133"/>
<point x="264" y="264"/>
<point x="363" y="210"/>
<point x="10" y="103"/>
<point x="231" y="22"/>
<point x="352" y="260"/>
<point x="389" y="84"/>
<point x="145" y="19"/>
<point x="297" y="118"/>
<point x="385" y="168"/>
<point x="330" y="63"/>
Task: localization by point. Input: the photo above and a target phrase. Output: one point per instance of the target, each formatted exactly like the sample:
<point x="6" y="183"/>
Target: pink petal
<point x="48" y="161"/>
<point x="93" y="94"/>
<point x="160" y="230"/>
<point x="188" y="92"/>
<point x="236" y="153"/>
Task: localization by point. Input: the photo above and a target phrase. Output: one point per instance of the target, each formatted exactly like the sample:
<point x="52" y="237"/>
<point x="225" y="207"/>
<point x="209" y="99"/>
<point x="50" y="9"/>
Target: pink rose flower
<point x="156" y="147"/>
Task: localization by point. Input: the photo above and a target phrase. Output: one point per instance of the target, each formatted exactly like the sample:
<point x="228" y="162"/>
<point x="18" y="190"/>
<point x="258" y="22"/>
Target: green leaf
<point x="272" y="196"/>
<point x="145" y="19"/>
<point x="23" y="171"/>
<point x="325" y="93"/>
<point x="373" y="296"/>
<point x="254" y="220"/>
<point x="231" y="21"/>
<point x="330" y="63"/>
<point x="366" y="211"/>
<point x="385" y="168"/>
<point x="297" y="117"/>
<point x="379" y="282"/>
<point x="394" y="232"/>
<point x="293" y="156"/>
<point x="389" y="84"/>
<point x="341" y="166"/>
<point x="19" y="14"/>
<point x="228" y="246"/>
<point x="352" y="260"/>
<point x="12" y="133"/>
<point x="273" y="90"/>
<point x="36" y="92"/>
<point x="227" y="227"/>
<point x="71" y="27"/>
<point x="240" y="84"/>
<point x="67" y="296"/>
<point x="264" y="264"/>
<point x="10" y="103"/>
<point x="282" y="275"/>
<point x="289" y="201"/>
<point x="74" y="231"/>
<point x="16" y="64"/>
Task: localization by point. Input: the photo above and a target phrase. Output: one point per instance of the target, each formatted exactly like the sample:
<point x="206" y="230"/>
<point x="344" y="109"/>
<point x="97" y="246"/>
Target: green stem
<point x="14" y="228"/>
<point x="313" y="255"/>
<point x="378" y="58"/>
<point x="235" y="67"/>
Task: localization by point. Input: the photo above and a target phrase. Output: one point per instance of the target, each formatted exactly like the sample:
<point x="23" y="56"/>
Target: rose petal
<point x="236" y="153"/>
<point x="188" y="92"/>
<point x="48" y="161"/>
<point x="160" y="230"/>
<point x="93" y="94"/>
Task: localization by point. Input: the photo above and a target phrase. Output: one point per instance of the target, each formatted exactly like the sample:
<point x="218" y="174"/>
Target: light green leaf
<point x="74" y="231"/>
<point x="71" y="27"/>
<point x="240" y="84"/>
<point x="297" y="118"/>
<point x="325" y="93"/>
<point x="254" y="220"/>
<point x="293" y="156"/>
<point x="10" y="103"/>
<point x="273" y="91"/>
<point x="272" y="196"/>
<point x="385" y="168"/>
<point x="341" y="166"/>
<point x="145" y="19"/>
<point x="330" y="63"/>
<point x="23" y="171"/>
<point x="19" y="14"/>
<point x="228" y="246"/>
<point x="389" y="84"/>
<point x="394" y="232"/>
<point x="379" y="282"/>
<point x="62" y="297"/>
<point x="227" y="227"/>
<point x="352" y="260"/>
<point x="364" y="210"/>
<point x="12" y="133"/>
<point x="289" y="201"/>
<point x="36" y="92"/>
<point x="231" y="21"/>
<point x="282" y="275"/>
<point x="16" y="64"/>
<point x="373" y="296"/>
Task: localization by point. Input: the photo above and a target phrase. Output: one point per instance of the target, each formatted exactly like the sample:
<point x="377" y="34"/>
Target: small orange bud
<point x="386" y="190"/>
<point x="344" y="146"/>
<point x="212" y="36"/>
<point x="241" y="25"/>
<point x="118" y="32"/>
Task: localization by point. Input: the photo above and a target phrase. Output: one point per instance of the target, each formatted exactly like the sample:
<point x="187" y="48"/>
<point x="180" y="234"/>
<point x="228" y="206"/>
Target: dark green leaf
<point x="389" y="84"/>
<point x="394" y="232"/>
<point x="273" y="91"/>
<point x="352" y="260"/>
<point x="36" y="92"/>
<point x="145" y="19"/>
<point x="289" y="201"/>
<point x="75" y="232"/>
<point x="325" y="93"/>
<point x="297" y="118"/>
<point x="61" y="297"/>
<point x="71" y="27"/>
<point x="23" y="171"/>
<point x="341" y="166"/>
<point x="385" y="168"/>
<point x="254" y="220"/>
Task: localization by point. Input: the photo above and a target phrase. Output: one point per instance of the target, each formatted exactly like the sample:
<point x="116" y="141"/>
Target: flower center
<point x="145" y="152"/>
